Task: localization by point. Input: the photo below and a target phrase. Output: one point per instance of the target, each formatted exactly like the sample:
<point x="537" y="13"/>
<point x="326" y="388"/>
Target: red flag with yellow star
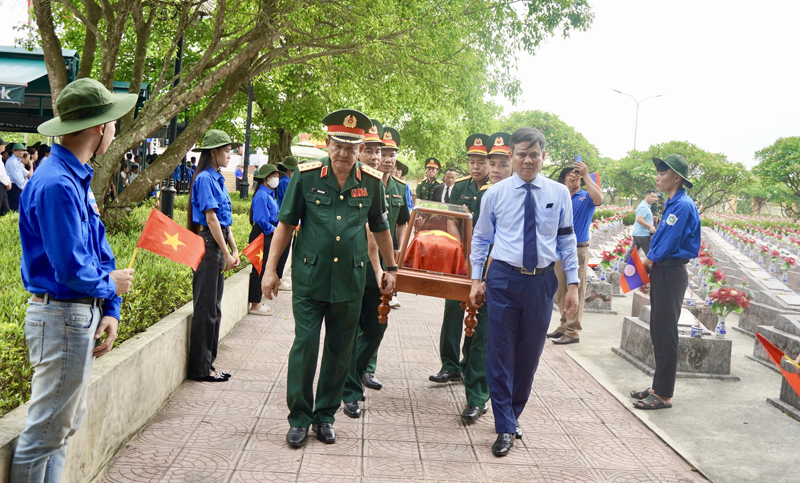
<point x="164" y="237"/>
<point x="255" y="252"/>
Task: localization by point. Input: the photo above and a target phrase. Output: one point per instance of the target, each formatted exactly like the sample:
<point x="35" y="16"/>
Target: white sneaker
<point x="394" y="303"/>
<point x="285" y="287"/>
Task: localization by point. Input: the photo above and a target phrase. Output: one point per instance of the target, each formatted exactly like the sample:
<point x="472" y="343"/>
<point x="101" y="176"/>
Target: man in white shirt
<point x="441" y="193"/>
<point x="18" y="175"/>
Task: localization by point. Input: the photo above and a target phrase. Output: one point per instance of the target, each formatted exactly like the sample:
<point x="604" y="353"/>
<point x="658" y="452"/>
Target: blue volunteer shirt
<point x="280" y="191"/>
<point x="644" y="210"/>
<point x="409" y="199"/>
<point x="209" y="193"/>
<point x="582" y="212"/>
<point x="502" y="219"/>
<point x="64" y="249"/>
<point x="265" y="210"/>
<point x="678" y="234"/>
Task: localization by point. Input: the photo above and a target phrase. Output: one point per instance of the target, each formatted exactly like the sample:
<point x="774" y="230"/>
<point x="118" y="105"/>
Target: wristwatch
<point x="391" y="269"/>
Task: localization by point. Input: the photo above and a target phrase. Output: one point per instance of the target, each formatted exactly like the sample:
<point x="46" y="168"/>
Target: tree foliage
<point x="779" y="169"/>
<point x="382" y="47"/>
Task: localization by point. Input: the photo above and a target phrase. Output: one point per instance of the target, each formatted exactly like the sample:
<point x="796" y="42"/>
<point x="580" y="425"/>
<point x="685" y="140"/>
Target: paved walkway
<point x="575" y="431"/>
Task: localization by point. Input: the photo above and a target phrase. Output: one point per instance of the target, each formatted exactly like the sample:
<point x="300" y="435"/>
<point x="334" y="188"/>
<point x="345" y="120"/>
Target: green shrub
<point x="160" y="287"/>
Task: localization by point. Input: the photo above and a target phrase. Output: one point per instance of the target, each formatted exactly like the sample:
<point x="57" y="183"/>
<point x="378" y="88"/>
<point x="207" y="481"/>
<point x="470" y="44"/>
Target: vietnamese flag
<point x="777" y="355"/>
<point x="164" y="237"/>
<point x="596" y="178"/>
<point x="255" y="252"/>
<point x="634" y="275"/>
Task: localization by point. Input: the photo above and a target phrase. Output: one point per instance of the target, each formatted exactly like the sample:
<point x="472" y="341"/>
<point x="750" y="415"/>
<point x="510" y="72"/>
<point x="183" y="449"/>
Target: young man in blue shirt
<point x="584" y="203"/>
<point x="528" y="218"/>
<point x="676" y="241"/>
<point x="68" y="267"/>
<point x="643" y="229"/>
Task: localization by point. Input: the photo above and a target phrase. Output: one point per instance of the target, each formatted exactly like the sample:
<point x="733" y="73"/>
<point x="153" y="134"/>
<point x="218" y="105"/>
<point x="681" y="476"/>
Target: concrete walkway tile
<point x="394" y="468"/>
<point x="323" y="464"/>
<point x="577" y="428"/>
<point x="461" y="472"/>
<point x="222" y="423"/>
<point x="194" y="475"/>
<point x="606" y="453"/>
<point x="218" y="439"/>
<point x="207" y="459"/>
<point x="263" y="476"/>
<point x="146" y="455"/>
<point x="383" y="432"/>
<point x="321" y="477"/>
<point x="387" y="417"/>
<point x="187" y="407"/>
<point x="270" y="438"/>
<point x="498" y="472"/>
<point x="196" y="391"/>
<point x="278" y="460"/>
<point x="519" y="455"/>
<point x="236" y="384"/>
<point x="563" y="474"/>
<point x="133" y="474"/>
<point x="626" y="476"/>
<point x="446" y="451"/>
<point x="391" y="449"/>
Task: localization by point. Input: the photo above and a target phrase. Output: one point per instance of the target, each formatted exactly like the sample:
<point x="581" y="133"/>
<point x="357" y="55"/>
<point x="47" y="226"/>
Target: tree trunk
<point x="56" y="69"/>
<point x="282" y="147"/>
<point x="93" y="14"/>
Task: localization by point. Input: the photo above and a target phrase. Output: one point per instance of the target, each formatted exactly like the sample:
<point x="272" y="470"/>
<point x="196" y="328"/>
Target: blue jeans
<point x="60" y="339"/>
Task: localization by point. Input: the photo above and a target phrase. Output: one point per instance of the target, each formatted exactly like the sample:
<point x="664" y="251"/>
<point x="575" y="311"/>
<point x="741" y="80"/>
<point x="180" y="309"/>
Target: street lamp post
<point x="243" y="185"/>
<point x="636" y="126"/>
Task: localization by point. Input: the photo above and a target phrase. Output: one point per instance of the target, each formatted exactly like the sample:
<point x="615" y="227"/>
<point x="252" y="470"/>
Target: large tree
<point x="230" y="43"/>
<point x="779" y="167"/>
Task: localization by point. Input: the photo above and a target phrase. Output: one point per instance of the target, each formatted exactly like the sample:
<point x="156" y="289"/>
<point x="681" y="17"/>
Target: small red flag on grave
<point x="255" y="252"/>
<point x="777" y="356"/>
<point x="164" y="237"/>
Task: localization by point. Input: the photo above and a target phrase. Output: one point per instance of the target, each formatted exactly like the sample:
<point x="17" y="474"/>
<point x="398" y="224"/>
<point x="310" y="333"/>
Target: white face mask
<point x="273" y="182"/>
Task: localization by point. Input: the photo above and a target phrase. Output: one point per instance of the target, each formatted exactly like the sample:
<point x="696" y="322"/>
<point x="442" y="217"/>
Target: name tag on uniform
<point x="319" y="191"/>
<point x="358" y="192"/>
<point x="396" y="196"/>
<point x="463" y="197"/>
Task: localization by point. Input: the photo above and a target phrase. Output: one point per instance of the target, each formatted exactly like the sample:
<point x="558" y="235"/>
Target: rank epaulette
<point x="463" y="179"/>
<point x="371" y="171"/>
<point x="309" y="166"/>
<point x="398" y="180"/>
<point x="485" y="186"/>
<point x="437" y="181"/>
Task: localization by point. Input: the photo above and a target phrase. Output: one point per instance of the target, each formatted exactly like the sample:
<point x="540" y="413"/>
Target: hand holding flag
<point x="164" y="237"/>
<point x="255" y="253"/>
<point x="634" y="275"/>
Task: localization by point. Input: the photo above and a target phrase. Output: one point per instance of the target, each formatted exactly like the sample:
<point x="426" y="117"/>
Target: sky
<point x="727" y="72"/>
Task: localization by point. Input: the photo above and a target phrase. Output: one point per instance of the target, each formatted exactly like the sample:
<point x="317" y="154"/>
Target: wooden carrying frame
<point x="435" y="284"/>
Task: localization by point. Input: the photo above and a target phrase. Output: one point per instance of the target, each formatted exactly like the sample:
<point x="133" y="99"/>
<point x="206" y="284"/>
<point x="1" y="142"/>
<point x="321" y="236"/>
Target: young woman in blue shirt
<point x="264" y="219"/>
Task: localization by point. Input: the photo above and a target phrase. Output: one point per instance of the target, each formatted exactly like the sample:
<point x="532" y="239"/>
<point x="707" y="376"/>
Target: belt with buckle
<point x="671" y="262"/>
<point x="46" y="299"/>
<point x="524" y="271"/>
<point x="583" y="244"/>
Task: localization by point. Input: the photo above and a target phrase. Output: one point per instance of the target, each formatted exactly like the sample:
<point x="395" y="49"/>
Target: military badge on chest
<point x="358" y="192"/>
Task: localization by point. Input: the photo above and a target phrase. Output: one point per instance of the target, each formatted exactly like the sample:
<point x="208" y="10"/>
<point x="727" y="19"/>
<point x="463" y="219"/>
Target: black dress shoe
<point x="503" y="443"/>
<point x="297" y="437"/>
<point x="472" y="413"/>
<point x="444" y="376"/>
<point x="371" y="381"/>
<point x="555" y="334"/>
<point x="352" y="409"/>
<point x="325" y="432"/>
<point x="565" y="339"/>
<point x="518" y="434"/>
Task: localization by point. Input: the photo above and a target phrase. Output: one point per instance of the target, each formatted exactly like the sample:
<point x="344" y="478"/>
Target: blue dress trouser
<point x="520" y="309"/>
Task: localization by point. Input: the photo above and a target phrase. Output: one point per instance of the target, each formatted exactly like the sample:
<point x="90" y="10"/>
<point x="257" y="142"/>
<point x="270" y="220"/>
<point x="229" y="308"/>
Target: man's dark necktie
<point x="447" y="195"/>
<point x="529" y="257"/>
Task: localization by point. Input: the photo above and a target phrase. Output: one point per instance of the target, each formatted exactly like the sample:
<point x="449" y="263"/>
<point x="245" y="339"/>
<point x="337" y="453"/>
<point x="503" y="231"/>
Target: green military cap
<point x="214" y="138"/>
<point x="375" y="133"/>
<point x="476" y="144"/>
<point x="289" y="163"/>
<point x="433" y="163"/>
<point x="403" y="168"/>
<point x="86" y="103"/>
<point x="17" y="146"/>
<point x="391" y="138"/>
<point x="265" y="170"/>
<point x="347" y="126"/>
<point x="499" y="143"/>
<point x="676" y="163"/>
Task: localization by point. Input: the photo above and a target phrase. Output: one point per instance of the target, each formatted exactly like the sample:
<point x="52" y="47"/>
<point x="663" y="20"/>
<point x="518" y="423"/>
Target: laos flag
<point x="596" y="178"/>
<point x="634" y="275"/>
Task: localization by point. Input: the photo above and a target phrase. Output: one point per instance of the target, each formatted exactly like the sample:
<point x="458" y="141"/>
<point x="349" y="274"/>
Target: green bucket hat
<point x="86" y="103"/>
<point x="289" y="163"/>
<point x="265" y="170"/>
<point x="214" y="138"/>
<point x="403" y="168"/>
<point x="17" y="146"/>
<point x="678" y="164"/>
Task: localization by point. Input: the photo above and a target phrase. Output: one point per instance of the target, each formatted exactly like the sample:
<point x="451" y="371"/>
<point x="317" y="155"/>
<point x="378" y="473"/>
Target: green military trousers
<point x="367" y="341"/>
<point x="473" y="366"/>
<point x="341" y="321"/>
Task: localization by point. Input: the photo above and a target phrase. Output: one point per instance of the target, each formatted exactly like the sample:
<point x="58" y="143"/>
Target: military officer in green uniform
<point x="425" y="187"/>
<point x="333" y="200"/>
<point x="369" y="339"/>
<point x="467" y="191"/>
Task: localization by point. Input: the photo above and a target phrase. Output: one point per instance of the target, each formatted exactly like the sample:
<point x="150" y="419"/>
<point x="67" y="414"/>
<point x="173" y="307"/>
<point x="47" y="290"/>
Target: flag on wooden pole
<point x="164" y="237"/>
<point x="634" y="275"/>
<point x="255" y="252"/>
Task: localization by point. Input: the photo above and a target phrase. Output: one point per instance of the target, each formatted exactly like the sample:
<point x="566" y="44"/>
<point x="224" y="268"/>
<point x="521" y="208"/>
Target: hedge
<point x="160" y="287"/>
